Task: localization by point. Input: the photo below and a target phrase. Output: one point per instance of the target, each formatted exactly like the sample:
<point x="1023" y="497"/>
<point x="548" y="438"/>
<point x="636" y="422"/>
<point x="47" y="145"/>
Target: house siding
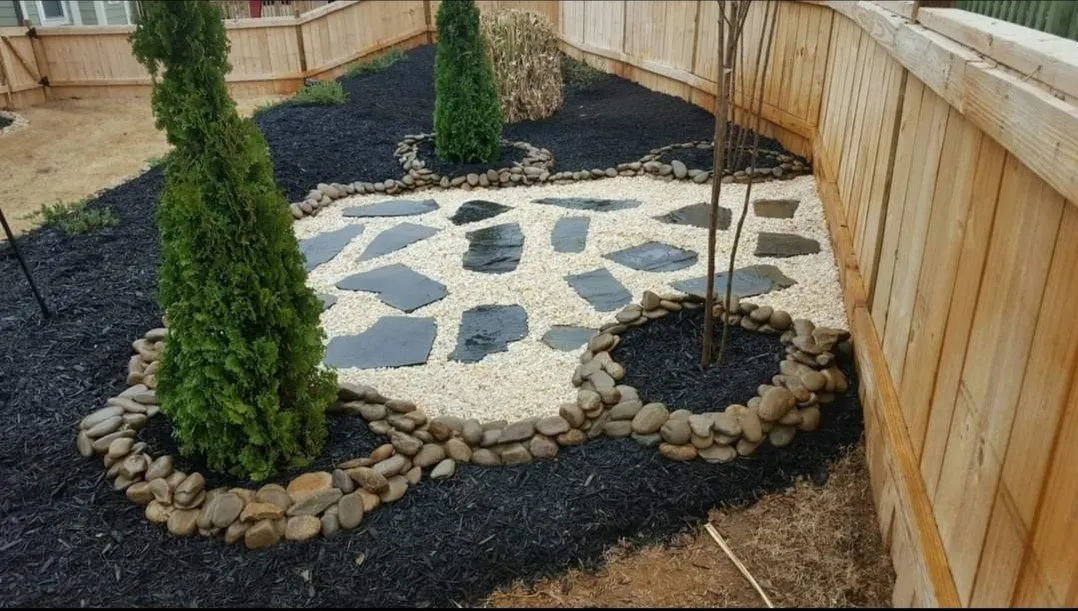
<point x="8" y="17"/>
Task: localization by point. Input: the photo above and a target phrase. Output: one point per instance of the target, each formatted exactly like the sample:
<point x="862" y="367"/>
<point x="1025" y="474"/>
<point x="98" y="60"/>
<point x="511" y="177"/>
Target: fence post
<point x="426" y="18"/>
<point x="299" y="42"/>
<point x="40" y="59"/>
<point x="5" y="80"/>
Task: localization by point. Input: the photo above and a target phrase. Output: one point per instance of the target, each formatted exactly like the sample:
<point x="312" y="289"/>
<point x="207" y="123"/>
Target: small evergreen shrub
<point x="240" y="378"/>
<point x="376" y="64"/>
<point x="467" y="112"/>
<point x="321" y="93"/>
<point x="524" y="54"/>
<point x="75" y="218"/>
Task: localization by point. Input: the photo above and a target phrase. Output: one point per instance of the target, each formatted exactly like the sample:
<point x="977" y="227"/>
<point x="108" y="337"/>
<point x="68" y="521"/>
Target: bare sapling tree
<point x="729" y="147"/>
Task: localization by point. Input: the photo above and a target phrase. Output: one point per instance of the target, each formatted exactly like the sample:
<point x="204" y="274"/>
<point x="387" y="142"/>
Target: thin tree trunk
<point x="719" y="154"/>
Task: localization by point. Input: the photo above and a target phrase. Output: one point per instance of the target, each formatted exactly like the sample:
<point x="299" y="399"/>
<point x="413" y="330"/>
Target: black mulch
<point x="507" y="156"/>
<point x="662" y="361"/>
<point x="5" y="121"/>
<point x="601" y="124"/>
<point x="66" y="538"/>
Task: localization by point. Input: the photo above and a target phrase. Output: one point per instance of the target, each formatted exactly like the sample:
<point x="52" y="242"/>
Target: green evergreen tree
<point x="467" y="111"/>
<point x="240" y="379"/>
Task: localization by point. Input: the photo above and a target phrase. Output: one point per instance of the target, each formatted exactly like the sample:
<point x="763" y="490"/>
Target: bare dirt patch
<point x="810" y="546"/>
<point x="73" y="149"/>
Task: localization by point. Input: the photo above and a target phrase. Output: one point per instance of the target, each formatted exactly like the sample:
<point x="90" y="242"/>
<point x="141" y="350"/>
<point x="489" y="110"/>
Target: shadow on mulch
<point x="5" y="121"/>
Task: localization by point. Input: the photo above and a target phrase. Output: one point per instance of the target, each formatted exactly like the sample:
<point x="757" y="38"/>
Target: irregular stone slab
<point x="570" y="234"/>
<point x="784" y="245"/>
<point x="400" y="207"/>
<point x="590" y="203"/>
<point x="494" y="250"/>
<point x="654" y="257"/>
<point x="601" y="289"/>
<point x="324" y="246"/>
<point x="566" y="338"/>
<point x="477" y="210"/>
<point x="748" y="282"/>
<point x="697" y="216"/>
<point x="397" y="285"/>
<point x="396" y="238"/>
<point x="393" y="341"/>
<point x="327" y="300"/>
<point x="775" y="208"/>
<point x="488" y="329"/>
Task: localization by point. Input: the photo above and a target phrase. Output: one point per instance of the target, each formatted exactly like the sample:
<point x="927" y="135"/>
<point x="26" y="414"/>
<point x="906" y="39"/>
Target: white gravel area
<point x="531" y="379"/>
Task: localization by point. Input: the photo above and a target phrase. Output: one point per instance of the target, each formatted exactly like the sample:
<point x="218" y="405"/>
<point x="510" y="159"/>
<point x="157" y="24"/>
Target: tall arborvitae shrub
<point x="240" y="380"/>
<point x="467" y="112"/>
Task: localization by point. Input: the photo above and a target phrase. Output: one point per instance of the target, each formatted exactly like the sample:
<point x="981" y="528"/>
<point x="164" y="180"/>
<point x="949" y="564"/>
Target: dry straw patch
<point x="527" y="65"/>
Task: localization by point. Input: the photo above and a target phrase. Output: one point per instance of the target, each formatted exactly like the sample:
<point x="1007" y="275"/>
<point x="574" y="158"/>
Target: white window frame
<point x="45" y="21"/>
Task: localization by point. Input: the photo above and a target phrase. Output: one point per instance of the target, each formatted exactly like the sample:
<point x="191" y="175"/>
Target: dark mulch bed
<point x="662" y="361"/>
<point x="601" y="124"/>
<point x="67" y="539"/>
<point x="5" y="121"/>
<point x="506" y="158"/>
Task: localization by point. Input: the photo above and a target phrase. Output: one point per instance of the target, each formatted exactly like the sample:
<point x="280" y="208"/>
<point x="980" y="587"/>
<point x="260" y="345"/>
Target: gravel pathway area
<point x="531" y="378"/>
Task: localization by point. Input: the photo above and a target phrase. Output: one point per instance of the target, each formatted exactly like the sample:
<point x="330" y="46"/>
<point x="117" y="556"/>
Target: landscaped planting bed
<point x="533" y="398"/>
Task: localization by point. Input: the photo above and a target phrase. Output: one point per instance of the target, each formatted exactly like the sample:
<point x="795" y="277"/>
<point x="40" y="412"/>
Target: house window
<point x="52" y="11"/>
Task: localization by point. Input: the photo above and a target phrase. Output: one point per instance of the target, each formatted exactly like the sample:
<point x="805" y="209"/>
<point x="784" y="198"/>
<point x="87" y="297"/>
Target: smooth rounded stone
<point x="160" y="467"/>
<point x="775" y="402"/>
<point x="472" y="432"/>
<point x="135" y="421"/>
<point x="158" y="512"/>
<point x="189" y="488"/>
<point x="302" y="528"/>
<point x="443" y="470"/>
<point x="101" y="415"/>
<point x="383" y="452"/>
<point x="618" y="428"/>
<point x="649" y="300"/>
<point x="429" y="455"/>
<point x="84" y="444"/>
<point x="677" y="451"/>
<point x="810" y="419"/>
<point x="262" y="534"/>
<point x="813" y="380"/>
<point x="680" y="414"/>
<point x="701" y="424"/>
<point x="370" y="479"/>
<point x="380" y="427"/>
<point x="372" y="411"/>
<point x="766" y="426"/>
<point x="259" y="510"/>
<point x="748" y="324"/>
<point x="515" y="453"/>
<point x="490" y="438"/>
<point x="552" y="426"/>
<point x="600" y="342"/>
<point x="628" y="314"/>
<point x="602" y="381"/>
<point x="542" y="446"/>
<point x="780" y="320"/>
<point x="495" y="425"/>
<point x="572" y="413"/>
<point x="650" y="419"/>
<point x="573" y="437"/>
<point x="419" y="417"/>
<point x="751" y="427"/>
<point x="398" y="485"/>
<point x="120" y="447"/>
<point x="588" y="400"/>
<point x="676" y="431"/>
<point x="486" y="458"/>
<point x="626" y="410"/>
<point x="782" y="435"/>
<point x="718" y="453"/>
<point x="439" y="431"/>
<point x="183" y="522"/>
<point x="370" y="500"/>
<point x="235" y="532"/>
<point x="803" y="327"/>
<point x="355" y="462"/>
<point x="330" y="525"/>
<point x="161" y="491"/>
<point x="106" y="426"/>
<point x="413" y="475"/>
<point x="458" y="450"/>
<point x="835" y="380"/>
<point x="350" y="511"/>
<point x="656" y="313"/>
<point x="224" y="509"/>
<point x="628" y="393"/>
<point x="609" y="396"/>
<point x="702" y="441"/>
<point x="734" y="409"/>
<point x="794" y="384"/>
<point x="113" y="467"/>
<point x="342" y="481"/>
<point x="400" y="406"/>
<point x="133" y="466"/>
<point x="315" y="503"/>
<point x="405" y="443"/>
<point x="745" y="447"/>
<point x="824" y="360"/>
<point x="808" y="345"/>
<point x="309" y="483"/>
<point x="453" y="422"/>
<point x="401" y="423"/>
<point x="791" y="418"/>
<point x="761" y="315"/>
<point x="139" y="493"/>
<point x="678" y="168"/>
<point x="273" y="493"/>
<point x="518" y="431"/>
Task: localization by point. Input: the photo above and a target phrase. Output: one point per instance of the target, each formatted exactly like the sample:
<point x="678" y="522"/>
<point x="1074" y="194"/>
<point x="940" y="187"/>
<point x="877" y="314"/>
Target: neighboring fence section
<point x="1059" y="17"/>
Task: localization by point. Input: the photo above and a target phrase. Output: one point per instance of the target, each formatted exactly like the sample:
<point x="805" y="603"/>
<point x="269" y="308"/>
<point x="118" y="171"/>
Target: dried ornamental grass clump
<point x="527" y="64"/>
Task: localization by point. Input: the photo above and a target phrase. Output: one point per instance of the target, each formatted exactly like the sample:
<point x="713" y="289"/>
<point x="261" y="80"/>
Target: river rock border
<point x="535" y="168"/>
<point x="326" y="503"/>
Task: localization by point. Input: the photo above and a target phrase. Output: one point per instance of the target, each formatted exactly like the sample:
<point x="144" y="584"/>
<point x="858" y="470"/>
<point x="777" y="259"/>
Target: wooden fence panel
<point x="348" y="32"/>
<point x="604" y="24"/>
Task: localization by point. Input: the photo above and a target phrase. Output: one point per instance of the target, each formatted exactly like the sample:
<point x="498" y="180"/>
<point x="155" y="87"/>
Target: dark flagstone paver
<point x="590" y="203"/>
<point x="654" y="257"/>
<point x="327" y="300"/>
<point x="477" y="210"/>
<point x="601" y="289"/>
<point x="487" y="329"/>
<point x="396" y="238"/>
<point x="784" y="245"/>
<point x="392" y="341"/>
<point x="748" y="282"/>
<point x="775" y="208"/>
<point x="494" y="250"/>
<point x="570" y="234"/>
<point x="397" y="285"/>
<point x="399" y="207"/>
<point x="697" y="216"/>
<point x="322" y="247"/>
<point x="567" y="338"/>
